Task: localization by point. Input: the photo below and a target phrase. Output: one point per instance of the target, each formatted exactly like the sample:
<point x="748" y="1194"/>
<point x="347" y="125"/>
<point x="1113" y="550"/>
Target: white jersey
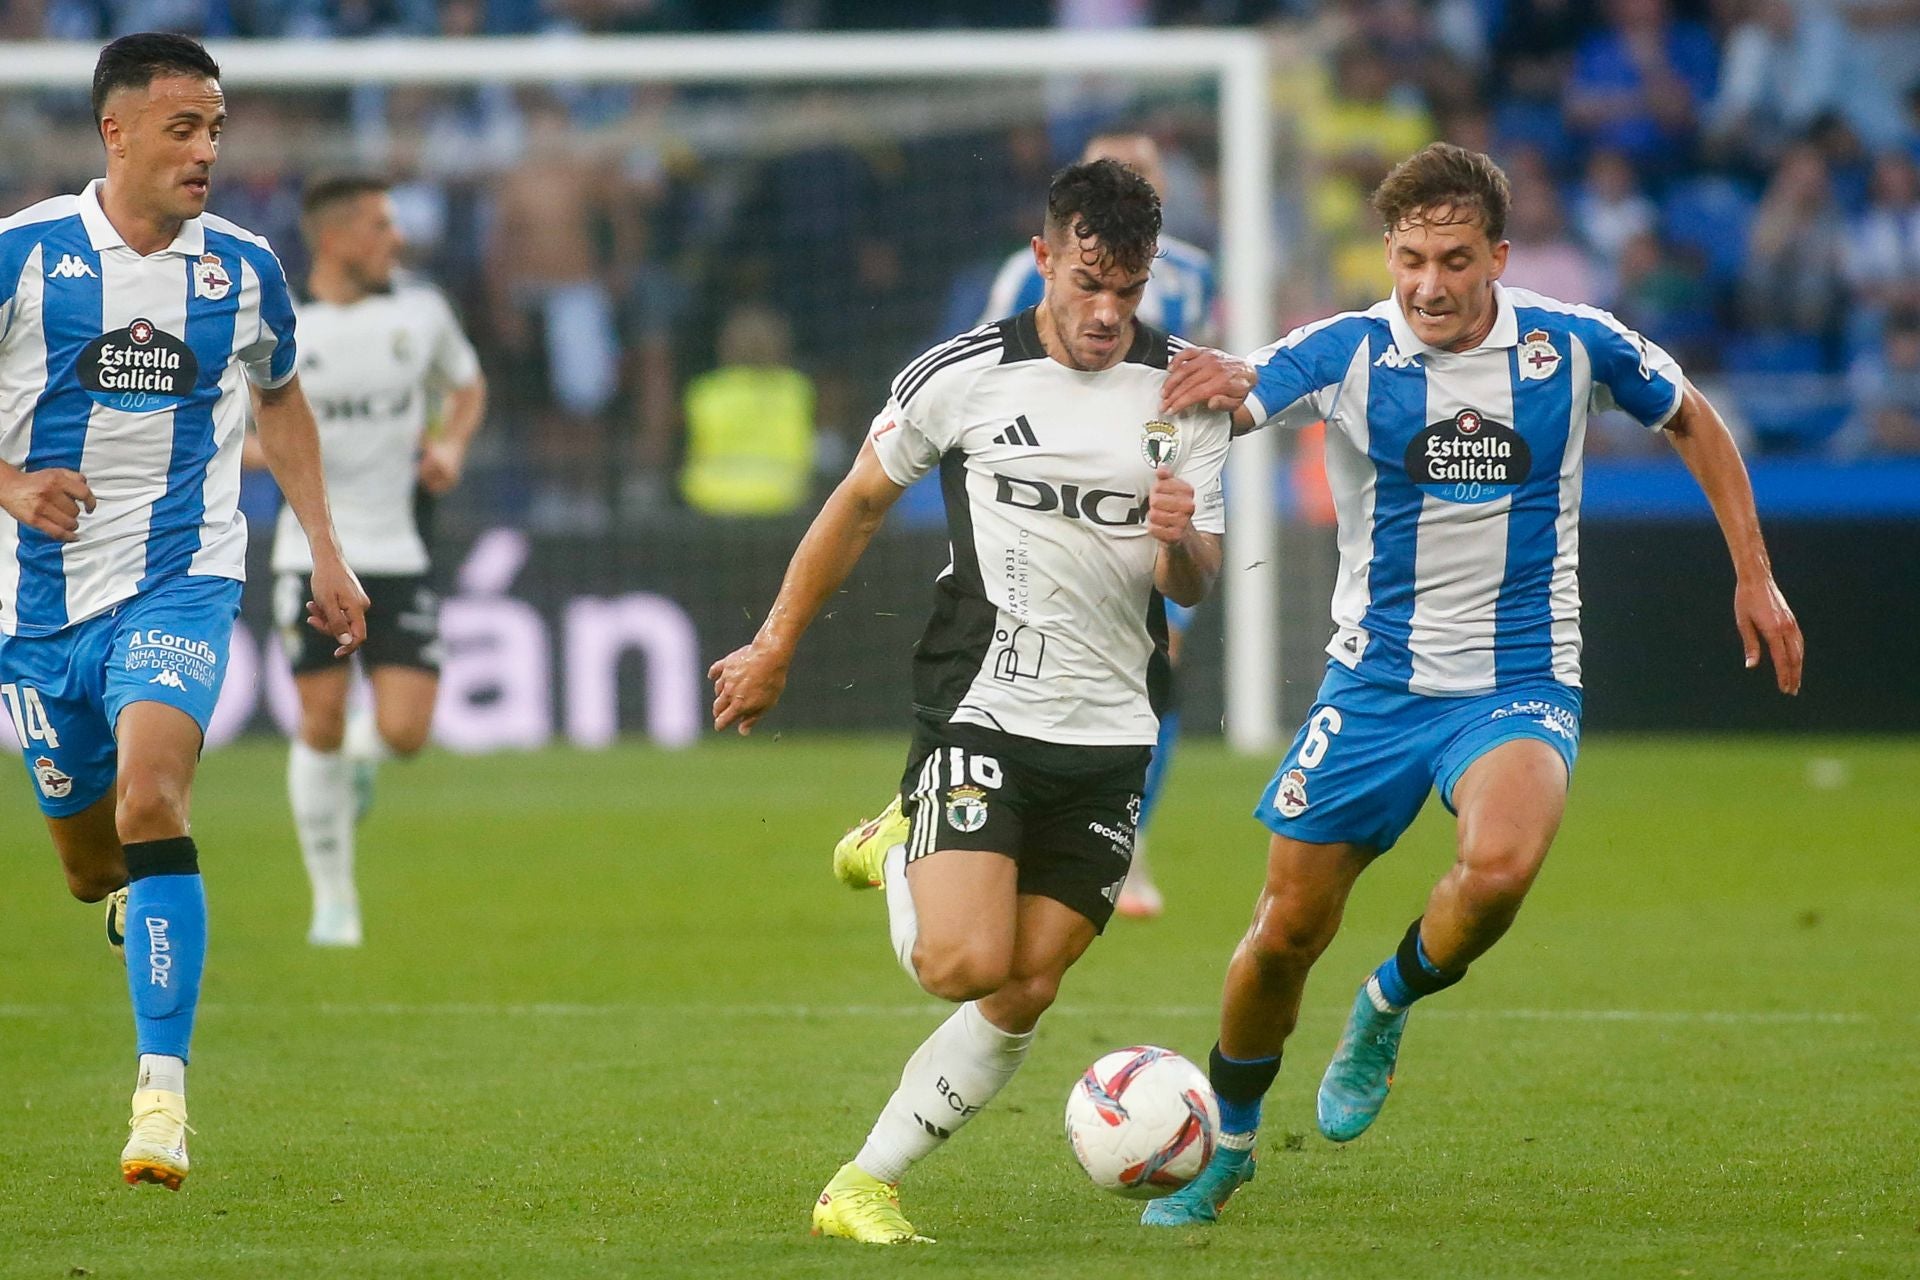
<point x="1456" y="477"/>
<point x="1047" y="623"/>
<point x="370" y="368"/>
<point x="129" y="369"/>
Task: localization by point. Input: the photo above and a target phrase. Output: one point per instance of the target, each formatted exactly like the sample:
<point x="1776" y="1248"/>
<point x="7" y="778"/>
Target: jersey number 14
<point x="30" y="722"/>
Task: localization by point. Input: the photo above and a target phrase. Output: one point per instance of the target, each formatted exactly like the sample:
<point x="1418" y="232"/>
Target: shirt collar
<point x="1505" y="332"/>
<point x="190" y="242"/>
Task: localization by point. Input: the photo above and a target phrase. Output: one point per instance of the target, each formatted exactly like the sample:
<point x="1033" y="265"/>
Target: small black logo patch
<point x="1468" y="458"/>
<point x="139" y="369"/>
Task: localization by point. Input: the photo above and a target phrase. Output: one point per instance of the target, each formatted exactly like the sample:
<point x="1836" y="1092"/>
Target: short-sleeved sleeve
<point x="1205" y="468"/>
<point x="1630" y="372"/>
<point x="1290" y="374"/>
<point x="453" y="362"/>
<point x="906" y="444"/>
<point x="270" y="358"/>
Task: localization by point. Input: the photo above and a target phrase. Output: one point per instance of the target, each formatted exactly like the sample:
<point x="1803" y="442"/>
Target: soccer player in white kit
<point x="131" y="323"/>
<point x="1456" y="411"/>
<point x="377" y="352"/>
<point x="1179" y="300"/>
<point x="1074" y="505"/>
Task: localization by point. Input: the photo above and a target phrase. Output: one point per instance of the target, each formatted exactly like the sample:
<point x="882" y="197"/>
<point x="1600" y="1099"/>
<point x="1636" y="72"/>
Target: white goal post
<point x="1238" y="60"/>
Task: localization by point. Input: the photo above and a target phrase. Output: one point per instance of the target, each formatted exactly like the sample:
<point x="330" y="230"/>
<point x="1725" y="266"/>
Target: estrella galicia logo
<point x="1468" y="458"/>
<point x="139" y="369"/>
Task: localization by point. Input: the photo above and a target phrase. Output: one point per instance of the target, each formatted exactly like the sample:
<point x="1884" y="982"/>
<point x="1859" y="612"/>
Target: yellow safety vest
<point x="749" y="441"/>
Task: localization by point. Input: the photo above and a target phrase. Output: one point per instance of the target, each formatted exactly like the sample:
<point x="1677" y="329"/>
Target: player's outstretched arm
<point x="1707" y="447"/>
<point x="748" y="681"/>
<point x="1201" y="376"/>
<point x="291" y="442"/>
<point x="443" y="459"/>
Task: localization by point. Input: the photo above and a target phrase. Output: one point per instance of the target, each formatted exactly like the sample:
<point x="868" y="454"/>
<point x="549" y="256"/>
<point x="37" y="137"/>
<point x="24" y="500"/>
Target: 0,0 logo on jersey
<point x="139" y="369"/>
<point x="1468" y="458"/>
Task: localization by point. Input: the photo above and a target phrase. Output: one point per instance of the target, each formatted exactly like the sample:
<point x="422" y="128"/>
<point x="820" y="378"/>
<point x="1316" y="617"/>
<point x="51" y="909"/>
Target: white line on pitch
<point x="476" y="1009"/>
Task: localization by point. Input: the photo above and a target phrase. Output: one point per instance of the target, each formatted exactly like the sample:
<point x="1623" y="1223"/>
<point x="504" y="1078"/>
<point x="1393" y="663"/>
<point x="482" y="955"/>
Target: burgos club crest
<point x="1468" y="458"/>
<point x="1160" y="443"/>
<point x="1538" y="359"/>
<point x="966" y="809"/>
<point x="210" y="278"/>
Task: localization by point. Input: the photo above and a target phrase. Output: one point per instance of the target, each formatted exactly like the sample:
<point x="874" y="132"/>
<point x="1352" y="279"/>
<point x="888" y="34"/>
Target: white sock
<point x="162" y="1071"/>
<point x="903" y="923"/>
<point x="949" y="1078"/>
<point x="320" y="785"/>
<point x="362" y="743"/>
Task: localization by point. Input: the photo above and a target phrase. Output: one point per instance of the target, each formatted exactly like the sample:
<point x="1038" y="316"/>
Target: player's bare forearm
<point x="290" y="443"/>
<point x="748" y="681"/>
<point x="1701" y="438"/>
<point x="1186" y="570"/>
<point x="465" y="408"/>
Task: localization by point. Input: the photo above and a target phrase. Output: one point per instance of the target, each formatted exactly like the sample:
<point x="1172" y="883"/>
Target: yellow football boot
<point x="858" y="1206"/>
<point x="157" y="1149"/>
<point x="117" y="924"/>
<point x="857" y="858"/>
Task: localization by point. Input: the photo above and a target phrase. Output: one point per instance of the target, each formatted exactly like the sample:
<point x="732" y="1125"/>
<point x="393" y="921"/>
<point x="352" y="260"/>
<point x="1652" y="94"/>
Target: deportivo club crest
<point x="53" y="784"/>
<point x="1291" y="796"/>
<point x="210" y="279"/>
<point x="966" y="809"/>
<point x="1538" y="359"/>
<point x="1160" y="443"/>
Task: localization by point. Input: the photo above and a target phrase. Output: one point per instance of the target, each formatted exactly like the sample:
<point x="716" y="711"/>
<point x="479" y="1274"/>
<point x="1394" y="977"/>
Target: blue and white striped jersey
<point x="1456" y="477"/>
<point x="128" y="369"/>
<point x="1178" y="299"/>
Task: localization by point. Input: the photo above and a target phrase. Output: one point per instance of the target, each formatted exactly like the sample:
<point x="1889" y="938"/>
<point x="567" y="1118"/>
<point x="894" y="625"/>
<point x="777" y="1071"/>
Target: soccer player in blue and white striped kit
<point x="131" y="325"/>
<point x="1456" y="411"/>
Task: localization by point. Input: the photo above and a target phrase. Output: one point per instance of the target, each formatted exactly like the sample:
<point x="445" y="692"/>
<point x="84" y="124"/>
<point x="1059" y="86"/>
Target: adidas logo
<point x="1021" y="432"/>
<point x="1392" y="359"/>
<point x="71" y="267"/>
<point x="171" y="679"/>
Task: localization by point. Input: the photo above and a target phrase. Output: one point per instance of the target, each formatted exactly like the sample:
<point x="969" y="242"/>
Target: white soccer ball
<point x="1143" y="1122"/>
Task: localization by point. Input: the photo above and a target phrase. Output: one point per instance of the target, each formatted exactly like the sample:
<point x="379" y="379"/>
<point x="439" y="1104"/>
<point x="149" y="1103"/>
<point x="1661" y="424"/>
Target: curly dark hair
<point x="1467" y="184"/>
<point x="136" y="61"/>
<point x="1111" y="204"/>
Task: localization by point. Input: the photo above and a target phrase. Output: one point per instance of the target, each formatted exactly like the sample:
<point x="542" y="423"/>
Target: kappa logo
<point x="1392" y="359"/>
<point x="72" y="267"/>
<point x="171" y="679"/>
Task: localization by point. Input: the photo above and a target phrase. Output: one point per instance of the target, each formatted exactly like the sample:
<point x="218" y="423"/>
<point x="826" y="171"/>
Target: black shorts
<point x="1065" y="814"/>
<point x="403" y="624"/>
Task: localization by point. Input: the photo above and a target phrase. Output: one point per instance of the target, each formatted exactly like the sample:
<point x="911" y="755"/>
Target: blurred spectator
<point x="1639" y="84"/>
<point x="1786" y="64"/>
<point x="1534" y="43"/>
<point x="1886" y="389"/>
<point x="1883" y="251"/>
<point x="1794" y="277"/>
<point x="1610" y="210"/>
<point x="1666" y="298"/>
<point x="1849" y="163"/>
<point x="1543" y="256"/>
<point x="750" y="436"/>
<point x="1887" y="33"/>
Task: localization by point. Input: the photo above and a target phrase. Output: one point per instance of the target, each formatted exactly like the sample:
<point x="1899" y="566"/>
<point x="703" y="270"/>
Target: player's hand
<point x="338" y="609"/>
<point x="1203" y="376"/>
<point x="49" y="500"/>
<point x="746" y="684"/>
<point x="1764" y="619"/>
<point x="441" y="465"/>
<point x="1170" y="507"/>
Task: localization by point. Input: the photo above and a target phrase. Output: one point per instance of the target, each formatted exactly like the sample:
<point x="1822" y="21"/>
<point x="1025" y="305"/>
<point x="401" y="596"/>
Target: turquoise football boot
<point x="1357" y="1080"/>
<point x="1199" y="1202"/>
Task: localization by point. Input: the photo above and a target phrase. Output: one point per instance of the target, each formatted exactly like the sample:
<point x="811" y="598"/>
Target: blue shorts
<point x="1364" y="761"/>
<point x="1179" y="616"/>
<point x="64" y="692"/>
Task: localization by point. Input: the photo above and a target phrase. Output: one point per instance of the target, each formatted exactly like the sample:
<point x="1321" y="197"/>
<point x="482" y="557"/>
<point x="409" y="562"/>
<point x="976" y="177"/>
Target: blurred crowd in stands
<point x="1740" y="179"/>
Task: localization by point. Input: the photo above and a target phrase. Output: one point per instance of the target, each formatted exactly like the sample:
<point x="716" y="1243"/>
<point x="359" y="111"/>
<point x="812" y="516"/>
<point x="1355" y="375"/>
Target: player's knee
<point x="960" y="973"/>
<point x="1279" y="941"/>
<point x="1498" y="880"/>
<point x="324" y="732"/>
<point x="404" y="740"/>
<point x="149" y="809"/>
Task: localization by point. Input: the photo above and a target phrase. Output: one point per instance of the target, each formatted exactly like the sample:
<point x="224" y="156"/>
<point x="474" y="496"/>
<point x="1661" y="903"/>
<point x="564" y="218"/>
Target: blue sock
<point x="166" y="942"/>
<point x="1157" y="766"/>
<point x="1238" y="1085"/>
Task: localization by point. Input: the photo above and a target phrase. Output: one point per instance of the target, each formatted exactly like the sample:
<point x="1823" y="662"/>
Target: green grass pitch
<point x="614" y="1018"/>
